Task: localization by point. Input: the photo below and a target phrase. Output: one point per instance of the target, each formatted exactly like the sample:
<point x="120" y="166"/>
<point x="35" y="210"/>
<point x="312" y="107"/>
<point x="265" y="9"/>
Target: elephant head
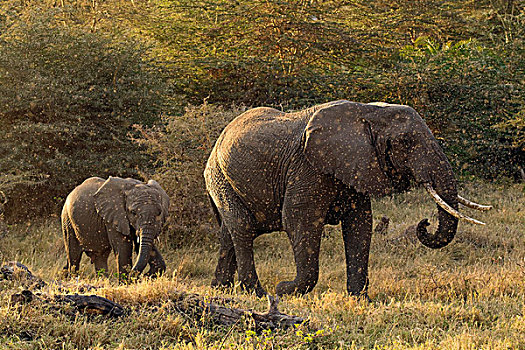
<point x="125" y="203"/>
<point x="377" y="148"/>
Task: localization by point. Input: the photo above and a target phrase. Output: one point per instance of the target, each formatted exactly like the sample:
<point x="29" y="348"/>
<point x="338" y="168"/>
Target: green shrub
<point x="68" y="99"/>
<point x="254" y="52"/>
<point x="181" y="145"/>
<point x="464" y="91"/>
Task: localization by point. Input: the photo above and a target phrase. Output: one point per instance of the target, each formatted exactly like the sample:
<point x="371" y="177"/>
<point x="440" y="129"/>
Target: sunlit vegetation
<point x="143" y="89"/>
<point x="467" y="295"/>
<point x="67" y="100"/>
<point x="75" y="76"/>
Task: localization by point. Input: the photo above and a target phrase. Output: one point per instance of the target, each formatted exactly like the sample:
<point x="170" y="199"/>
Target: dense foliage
<point x="465" y="91"/>
<point x="460" y="64"/>
<point x="68" y="99"/>
<point x="181" y="147"/>
<point x="76" y="75"/>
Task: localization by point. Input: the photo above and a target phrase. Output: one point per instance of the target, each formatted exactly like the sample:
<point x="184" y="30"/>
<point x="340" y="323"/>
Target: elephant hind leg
<point x="72" y="245"/>
<point x="238" y="232"/>
<point x="227" y="264"/>
<point x="248" y="278"/>
<point x="242" y="233"/>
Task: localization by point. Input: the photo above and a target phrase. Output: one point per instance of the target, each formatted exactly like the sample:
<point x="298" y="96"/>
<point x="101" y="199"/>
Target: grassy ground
<point x="468" y="295"/>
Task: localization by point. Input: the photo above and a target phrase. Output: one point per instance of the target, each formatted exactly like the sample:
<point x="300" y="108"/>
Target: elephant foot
<point x="257" y="288"/>
<point x="127" y="277"/>
<point x="155" y="272"/>
<point x="69" y="271"/>
<point x="293" y="287"/>
<point x="363" y="296"/>
<point x="224" y="276"/>
<point x="216" y="283"/>
<point x="359" y="289"/>
<point x="66" y="273"/>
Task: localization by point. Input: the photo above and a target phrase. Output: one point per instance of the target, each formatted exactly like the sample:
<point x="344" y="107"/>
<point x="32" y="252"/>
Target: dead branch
<point x="191" y="306"/>
<point x="87" y="304"/>
<point x="91" y="304"/>
<point x="14" y="270"/>
<point x="194" y="305"/>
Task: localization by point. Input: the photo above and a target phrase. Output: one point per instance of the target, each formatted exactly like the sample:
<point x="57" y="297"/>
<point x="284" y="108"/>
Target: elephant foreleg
<point x="306" y="254"/>
<point x="122" y="246"/>
<point x="304" y="211"/>
<point x="227" y="264"/>
<point x="357" y="234"/>
<point x="100" y="260"/>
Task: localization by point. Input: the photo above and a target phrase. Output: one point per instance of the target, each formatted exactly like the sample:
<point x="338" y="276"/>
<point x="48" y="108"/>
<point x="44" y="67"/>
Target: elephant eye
<point x="405" y="142"/>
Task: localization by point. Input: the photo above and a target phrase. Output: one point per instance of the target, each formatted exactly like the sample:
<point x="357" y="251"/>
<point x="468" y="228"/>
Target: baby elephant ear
<point x="338" y="141"/>
<point x="163" y="195"/>
<point x="110" y="203"/>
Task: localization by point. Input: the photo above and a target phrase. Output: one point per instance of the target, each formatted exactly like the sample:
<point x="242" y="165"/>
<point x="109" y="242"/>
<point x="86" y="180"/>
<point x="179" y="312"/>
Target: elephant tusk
<point x="448" y="208"/>
<point x="473" y="205"/>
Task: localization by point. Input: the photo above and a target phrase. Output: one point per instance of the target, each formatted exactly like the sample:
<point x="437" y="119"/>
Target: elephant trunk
<point x="442" y="186"/>
<point x="146" y="242"/>
<point x="444" y="235"/>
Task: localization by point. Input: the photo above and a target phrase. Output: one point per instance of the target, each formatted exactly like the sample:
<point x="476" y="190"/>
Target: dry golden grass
<point x="468" y="295"/>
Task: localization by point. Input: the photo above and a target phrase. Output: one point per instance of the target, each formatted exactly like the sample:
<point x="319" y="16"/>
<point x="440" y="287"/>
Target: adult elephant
<point x="295" y="172"/>
<point x="100" y="216"/>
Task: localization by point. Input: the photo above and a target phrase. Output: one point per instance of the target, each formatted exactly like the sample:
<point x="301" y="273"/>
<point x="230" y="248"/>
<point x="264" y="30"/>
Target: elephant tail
<point x="215" y="211"/>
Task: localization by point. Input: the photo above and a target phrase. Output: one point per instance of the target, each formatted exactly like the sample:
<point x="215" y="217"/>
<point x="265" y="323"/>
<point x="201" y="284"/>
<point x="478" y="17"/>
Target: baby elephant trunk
<point x="146" y="241"/>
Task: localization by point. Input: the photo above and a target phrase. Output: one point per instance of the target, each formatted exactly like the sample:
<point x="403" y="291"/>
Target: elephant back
<point x="251" y="154"/>
<point x="81" y="198"/>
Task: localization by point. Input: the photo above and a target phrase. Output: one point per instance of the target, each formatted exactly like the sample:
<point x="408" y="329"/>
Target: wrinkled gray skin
<point x="100" y="216"/>
<point x="295" y="172"/>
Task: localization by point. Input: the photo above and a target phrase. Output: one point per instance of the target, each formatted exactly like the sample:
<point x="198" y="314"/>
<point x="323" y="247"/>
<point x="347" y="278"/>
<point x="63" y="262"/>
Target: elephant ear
<point x="338" y="141"/>
<point x="110" y="203"/>
<point x="165" y="199"/>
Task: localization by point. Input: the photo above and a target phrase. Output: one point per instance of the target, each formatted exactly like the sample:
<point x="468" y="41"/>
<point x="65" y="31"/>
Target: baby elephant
<point x="115" y="214"/>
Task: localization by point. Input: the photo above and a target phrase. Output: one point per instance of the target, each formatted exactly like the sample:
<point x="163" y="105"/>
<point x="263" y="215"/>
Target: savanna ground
<point x="468" y="295"/>
<point x="79" y="77"/>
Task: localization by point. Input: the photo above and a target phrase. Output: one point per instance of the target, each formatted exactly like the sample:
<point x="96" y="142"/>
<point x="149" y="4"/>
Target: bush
<point x="68" y="99"/>
<point x="181" y="146"/>
<point x="298" y="54"/>
<point x="254" y="52"/>
<point x="464" y="91"/>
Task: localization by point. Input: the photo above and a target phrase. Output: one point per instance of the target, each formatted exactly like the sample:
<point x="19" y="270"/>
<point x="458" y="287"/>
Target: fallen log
<point x="92" y="304"/>
<point x="87" y="304"/>
<point x="194" y="305"/>
<point x="15" y="270"/>
<point x="191" y="306"/>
